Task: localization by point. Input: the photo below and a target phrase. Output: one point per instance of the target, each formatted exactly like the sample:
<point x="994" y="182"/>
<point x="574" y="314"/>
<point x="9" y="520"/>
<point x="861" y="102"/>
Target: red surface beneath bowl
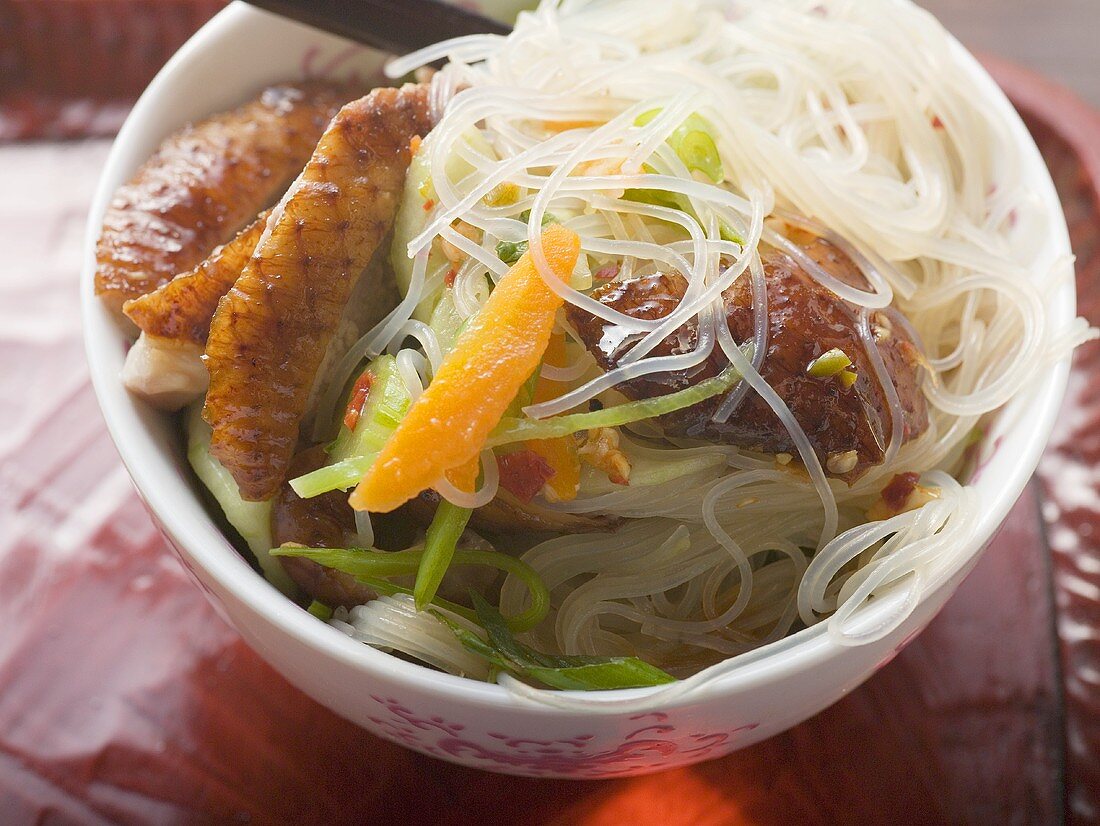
<point x="123" y="698"/>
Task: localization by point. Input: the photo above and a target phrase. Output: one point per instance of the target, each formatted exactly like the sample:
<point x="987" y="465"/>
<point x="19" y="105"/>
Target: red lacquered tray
<point x="70" y="68"/>
<point x="123" y="698"/>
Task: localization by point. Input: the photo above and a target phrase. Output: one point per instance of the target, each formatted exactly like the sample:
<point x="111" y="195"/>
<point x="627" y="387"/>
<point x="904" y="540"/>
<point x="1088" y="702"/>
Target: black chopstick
<point x="396" y="26"/>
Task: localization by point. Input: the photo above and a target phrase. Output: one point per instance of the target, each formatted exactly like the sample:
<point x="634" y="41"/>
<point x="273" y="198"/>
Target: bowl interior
<point x="235" y="55"/>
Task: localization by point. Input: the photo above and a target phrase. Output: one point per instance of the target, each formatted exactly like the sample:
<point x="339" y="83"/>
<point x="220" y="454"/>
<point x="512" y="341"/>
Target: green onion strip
<point x="374" y="568"/>
<point x="518" y="430"/>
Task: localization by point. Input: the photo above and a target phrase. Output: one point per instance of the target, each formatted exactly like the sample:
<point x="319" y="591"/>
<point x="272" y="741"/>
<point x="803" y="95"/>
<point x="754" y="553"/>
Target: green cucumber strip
<point x="354" y="451"/>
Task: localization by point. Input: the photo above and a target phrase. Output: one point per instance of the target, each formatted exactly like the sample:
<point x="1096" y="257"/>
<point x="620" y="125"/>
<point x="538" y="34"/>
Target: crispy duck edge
<point x="271" y="331"/>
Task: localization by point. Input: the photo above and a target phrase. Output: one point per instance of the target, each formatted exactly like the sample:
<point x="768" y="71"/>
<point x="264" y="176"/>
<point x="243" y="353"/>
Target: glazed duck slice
<point x="848" y="424"/>
<point x="182" y="309"/>
<point x="272" y="330"/>
<point x="165" y="364"/>
<point x="206" y="182"/>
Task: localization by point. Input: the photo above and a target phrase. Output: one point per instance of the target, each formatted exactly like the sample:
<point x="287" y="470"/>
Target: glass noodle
<point x="848" y="118"/>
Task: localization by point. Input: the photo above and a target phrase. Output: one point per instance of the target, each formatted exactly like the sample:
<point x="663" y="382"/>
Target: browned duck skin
<point x="204" y="183"/>
<point x="164" y="366"/>
<point x="271" y="331"/>
<point x="182" y="309"/>
<point x="849" y="427"/>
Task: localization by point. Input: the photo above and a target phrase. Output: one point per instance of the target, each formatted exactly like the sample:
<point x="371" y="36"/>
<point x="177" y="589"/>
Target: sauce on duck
<point x="848" y="421"/>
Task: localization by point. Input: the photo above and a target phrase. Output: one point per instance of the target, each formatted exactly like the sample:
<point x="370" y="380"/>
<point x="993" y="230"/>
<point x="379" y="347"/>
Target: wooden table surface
<point x="123" y="698"/>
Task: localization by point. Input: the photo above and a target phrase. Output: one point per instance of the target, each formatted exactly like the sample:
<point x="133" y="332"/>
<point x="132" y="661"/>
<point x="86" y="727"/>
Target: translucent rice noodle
<point x="394" y="624"/>
<point x="849" y="118"/>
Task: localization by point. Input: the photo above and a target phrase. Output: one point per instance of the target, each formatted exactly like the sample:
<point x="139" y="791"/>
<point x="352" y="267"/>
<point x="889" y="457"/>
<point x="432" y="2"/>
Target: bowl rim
<point x="197" y="537"/>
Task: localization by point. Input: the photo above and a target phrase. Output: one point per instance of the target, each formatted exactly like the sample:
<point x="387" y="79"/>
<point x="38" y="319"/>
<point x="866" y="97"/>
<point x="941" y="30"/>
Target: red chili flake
<point x="936" y="122"/>
<point x="359" y="394"/>
<point x="449" y="278"/>
<point x="523" y="473"/>
<point x="607" y="272"/>
<point x="429" y="205"/>
<point x="897" y="491"/>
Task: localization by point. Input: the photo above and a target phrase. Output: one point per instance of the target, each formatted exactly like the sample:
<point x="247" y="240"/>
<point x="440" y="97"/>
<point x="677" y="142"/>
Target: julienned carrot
<point x="464" y="477"/>
<point x="448" y="425"/>
<point x="555" y="356"/>
<point x="561" y="455"/>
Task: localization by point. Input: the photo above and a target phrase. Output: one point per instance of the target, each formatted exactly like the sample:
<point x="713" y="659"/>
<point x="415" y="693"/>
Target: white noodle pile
<point x="854" y="112"/>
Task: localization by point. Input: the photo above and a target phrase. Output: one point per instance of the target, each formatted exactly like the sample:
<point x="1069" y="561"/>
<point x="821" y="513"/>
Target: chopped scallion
<point x="828" y="364"/>
<point x="439" y="548"/>
<point x="693" y="143"/>
<point x="511" y="251"/>
<point x="699" y="152"/>
<point x="728" y="233"/>
<point x="656" y="197"/>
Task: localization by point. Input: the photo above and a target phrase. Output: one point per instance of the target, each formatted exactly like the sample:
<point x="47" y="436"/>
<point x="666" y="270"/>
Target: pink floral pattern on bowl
<point x="650" y="741"/>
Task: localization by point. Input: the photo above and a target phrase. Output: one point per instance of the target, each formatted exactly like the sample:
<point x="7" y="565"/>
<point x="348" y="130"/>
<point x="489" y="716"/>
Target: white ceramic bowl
<point x="474" y="723"/>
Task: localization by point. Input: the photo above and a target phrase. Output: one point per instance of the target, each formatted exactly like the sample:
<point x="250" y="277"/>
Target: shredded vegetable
<point x="356" y="449"/>
<point x="439" y="548"/>
<point x="499" y="350"/>
<point x="578" y="673"/>
<point x="682" y="137"/>
<point x="252" y="520"/>
<point x="375" y="568"/>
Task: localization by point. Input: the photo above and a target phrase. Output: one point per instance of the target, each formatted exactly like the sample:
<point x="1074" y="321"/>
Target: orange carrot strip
<point x="565" y="125"/>
<point x="464" y="477"/>
<point x="546" y="389"/>
<point x="561" y="455"/>
<point x="448" y="425"/>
